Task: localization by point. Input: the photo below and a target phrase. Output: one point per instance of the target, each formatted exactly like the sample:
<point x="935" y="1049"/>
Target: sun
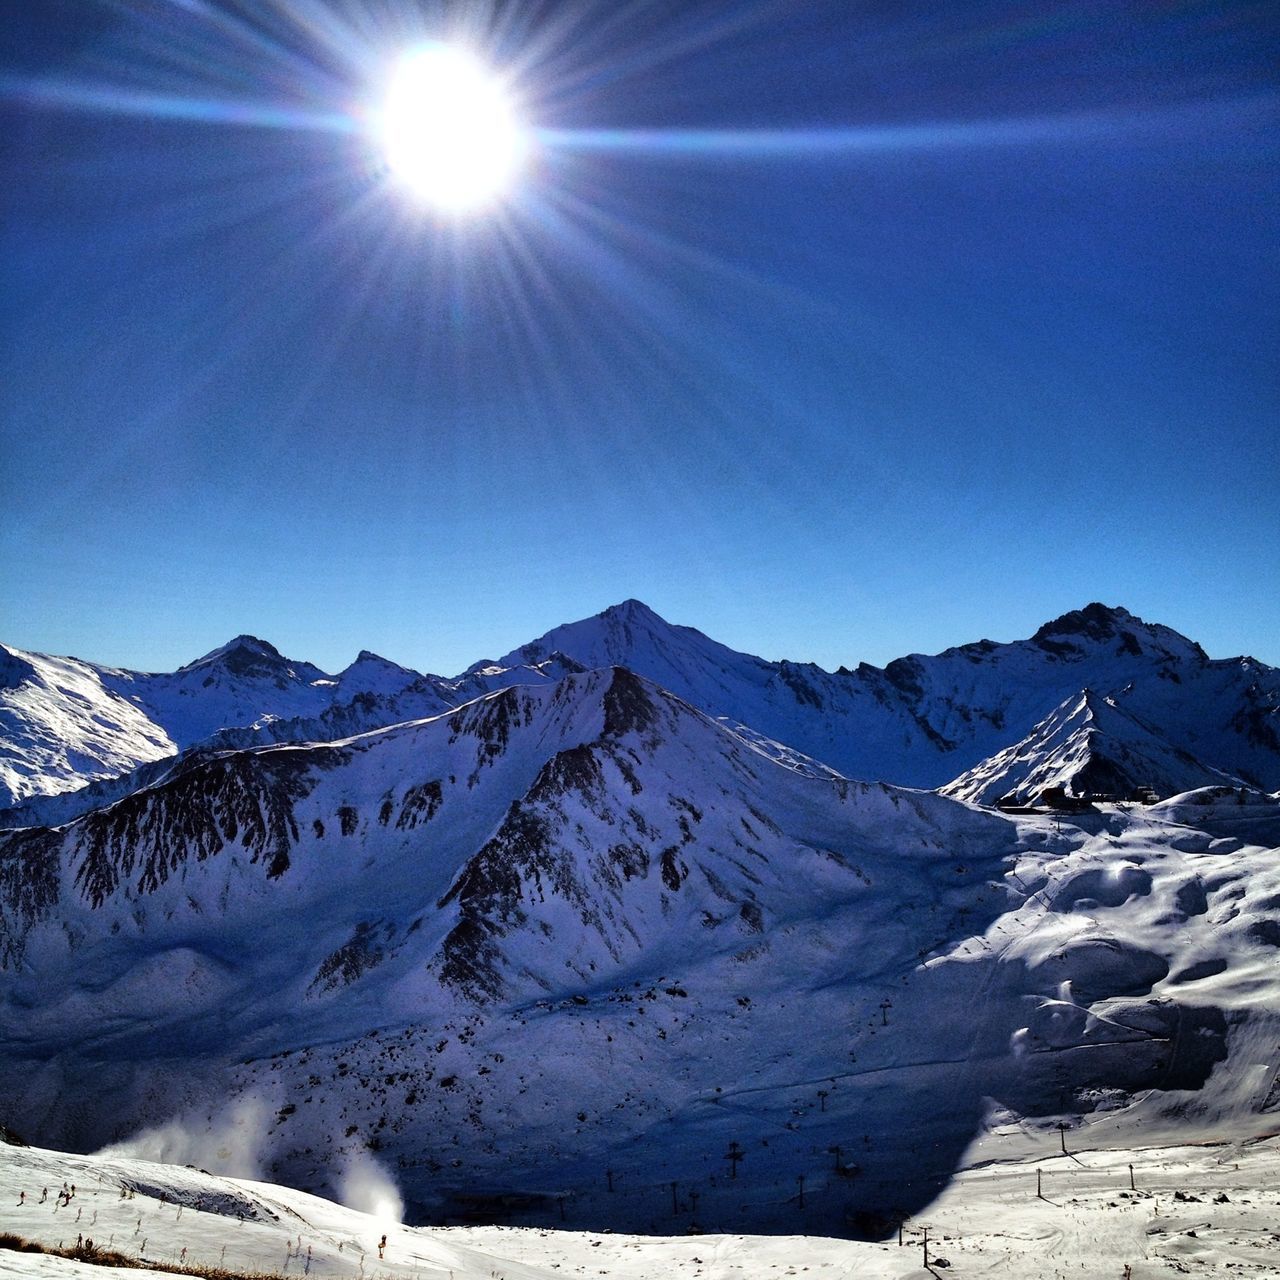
<point x="449" y="131"/>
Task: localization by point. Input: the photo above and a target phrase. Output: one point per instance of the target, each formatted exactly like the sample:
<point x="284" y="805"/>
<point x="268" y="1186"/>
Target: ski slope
<point x="1203" y="1210"/>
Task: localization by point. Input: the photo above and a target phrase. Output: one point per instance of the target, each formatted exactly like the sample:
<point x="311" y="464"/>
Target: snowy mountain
<point x="921" y="721"/>
<point x="375" y="675"/>
<point x="578" y="941"/>
<point x="61" y="725"/>
<point x="237" y="682"/>
<point x="1086" y="746"/>
<point x="67" y="722"/>
<point x="73" y="733"/>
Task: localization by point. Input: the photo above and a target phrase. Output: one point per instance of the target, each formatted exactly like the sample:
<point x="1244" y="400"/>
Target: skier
<point x="382" y="1244"/>
<point x="22" y="1197"/>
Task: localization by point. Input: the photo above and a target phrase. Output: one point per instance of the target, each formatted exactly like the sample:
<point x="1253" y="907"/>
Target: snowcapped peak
<point x="1087" y="744"/>
<point x="243" y="651"/>
<point x="368" y="659"/>
<point x="633" y="610"/>
<point x="248" y="658"/>
<point x="1098" y="625"/>
<point x="631" y="634"/>
<point x="1101" y="625"/>
<point x="372" y="673"/>
<point x="557" y="661"/>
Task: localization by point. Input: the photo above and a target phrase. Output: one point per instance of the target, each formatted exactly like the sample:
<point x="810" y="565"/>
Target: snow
<point x="546" y="956"/>
<point x="1207" y="1209"/>
<point x="1086" y="744"/>
<point x="370" y="673"/>
<point x="574" y="928"/>
<point x="60" y="725"/>
<point x="922" y="721"/>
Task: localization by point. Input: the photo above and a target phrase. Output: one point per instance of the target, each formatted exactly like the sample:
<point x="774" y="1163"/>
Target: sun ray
<point x="107" y="99"/>
<point x="942" y="135"/>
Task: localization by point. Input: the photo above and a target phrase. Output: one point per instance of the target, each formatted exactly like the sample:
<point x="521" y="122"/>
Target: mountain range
<point x="923" y="721"/>
<point x="602" y="934"/>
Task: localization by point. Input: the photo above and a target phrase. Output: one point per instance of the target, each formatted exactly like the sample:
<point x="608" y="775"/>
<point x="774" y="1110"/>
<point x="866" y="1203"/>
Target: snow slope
<point x="1202" y="1209"/>
<point x="60" y="725"/>
<point x="66" y="722"/>
<point x="558" y="949"/>
<point x="75" y="736"/>
<point x="1087" y="746"/>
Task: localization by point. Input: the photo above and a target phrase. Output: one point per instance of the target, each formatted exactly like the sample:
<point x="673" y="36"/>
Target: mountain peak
<point x="247" y="657"/>
<point x="367" y="658"/>
<point x="633" y="610"/>
<point x="604" y="639"/>
<point x="1100" y="624"/>
<point x="372" y="673"/>
<point x="1095" y="622"/>
<point x="1087" y="745"/>
<point x="239" y="654"/>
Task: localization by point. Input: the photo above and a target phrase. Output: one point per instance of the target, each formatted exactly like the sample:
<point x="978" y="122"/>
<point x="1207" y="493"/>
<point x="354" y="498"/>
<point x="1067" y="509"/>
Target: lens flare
<point x="449" y="131"/>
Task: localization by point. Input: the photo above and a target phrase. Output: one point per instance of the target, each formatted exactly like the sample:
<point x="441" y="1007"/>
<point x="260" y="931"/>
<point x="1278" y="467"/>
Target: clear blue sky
<point x="1016" y="353"/>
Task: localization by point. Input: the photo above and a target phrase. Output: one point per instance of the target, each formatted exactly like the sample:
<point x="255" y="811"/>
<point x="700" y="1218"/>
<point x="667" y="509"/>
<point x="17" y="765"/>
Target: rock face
<point x="576" y="938"/>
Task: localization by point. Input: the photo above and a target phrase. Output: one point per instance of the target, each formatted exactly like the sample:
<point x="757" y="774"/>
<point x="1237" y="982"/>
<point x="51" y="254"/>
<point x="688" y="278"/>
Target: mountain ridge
<point x="1086" y="746"/>
<point x="921" y="720"/>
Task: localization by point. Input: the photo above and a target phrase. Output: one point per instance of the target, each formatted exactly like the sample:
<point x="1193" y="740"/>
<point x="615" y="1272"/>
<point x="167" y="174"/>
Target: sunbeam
<point x="941" y="135"/>
<point x="114" y="100"/>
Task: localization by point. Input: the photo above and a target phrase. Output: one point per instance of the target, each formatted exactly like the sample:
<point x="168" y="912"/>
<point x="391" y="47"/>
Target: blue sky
<point x="1013" y="351"/>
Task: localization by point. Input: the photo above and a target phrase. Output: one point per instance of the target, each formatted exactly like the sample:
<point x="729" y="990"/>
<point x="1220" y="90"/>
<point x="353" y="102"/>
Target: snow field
<point x="1210" y="1210"/>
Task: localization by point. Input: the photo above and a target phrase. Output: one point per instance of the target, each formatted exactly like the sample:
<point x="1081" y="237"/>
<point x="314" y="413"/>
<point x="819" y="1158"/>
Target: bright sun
<point x="449" y="131"/>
